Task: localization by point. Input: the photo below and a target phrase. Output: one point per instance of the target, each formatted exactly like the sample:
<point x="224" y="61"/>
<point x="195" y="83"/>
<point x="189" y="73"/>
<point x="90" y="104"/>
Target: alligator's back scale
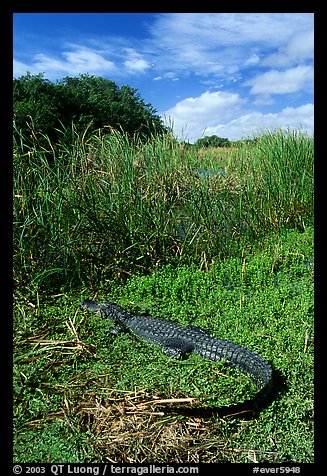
<point x="176" y="341"/>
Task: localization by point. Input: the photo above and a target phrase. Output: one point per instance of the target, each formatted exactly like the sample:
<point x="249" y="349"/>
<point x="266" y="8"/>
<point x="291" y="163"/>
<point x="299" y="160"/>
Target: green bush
<point x="213" y="141"/>
<point x="50" y="108"/>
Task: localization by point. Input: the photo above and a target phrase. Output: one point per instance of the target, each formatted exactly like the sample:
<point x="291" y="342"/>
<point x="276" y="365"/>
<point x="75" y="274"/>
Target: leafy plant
<point x="212" y="141"/>
<point x="84" y="100"/>
<point x="84" y="395"/>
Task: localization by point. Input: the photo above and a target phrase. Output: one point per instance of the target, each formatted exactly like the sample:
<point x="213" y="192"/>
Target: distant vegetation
<point x="212" y="141"/>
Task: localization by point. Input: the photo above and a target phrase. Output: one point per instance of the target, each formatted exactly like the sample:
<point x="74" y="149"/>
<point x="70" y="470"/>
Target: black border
<point x="7" y="9"/>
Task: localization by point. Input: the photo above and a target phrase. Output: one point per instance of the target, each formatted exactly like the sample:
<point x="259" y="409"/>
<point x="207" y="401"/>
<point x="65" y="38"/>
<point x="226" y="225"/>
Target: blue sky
<point x="229" y="74"/>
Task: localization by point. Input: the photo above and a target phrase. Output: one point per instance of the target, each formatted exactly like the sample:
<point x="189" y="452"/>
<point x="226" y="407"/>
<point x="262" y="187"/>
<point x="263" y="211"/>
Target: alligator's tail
<point x="245" y="360"/>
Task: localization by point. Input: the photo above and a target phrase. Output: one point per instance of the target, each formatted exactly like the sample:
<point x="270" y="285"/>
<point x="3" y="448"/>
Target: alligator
<point x="178" y="341"/>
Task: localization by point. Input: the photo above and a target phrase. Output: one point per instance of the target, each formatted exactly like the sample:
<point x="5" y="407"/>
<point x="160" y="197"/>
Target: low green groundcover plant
<point x="82" y="394"/>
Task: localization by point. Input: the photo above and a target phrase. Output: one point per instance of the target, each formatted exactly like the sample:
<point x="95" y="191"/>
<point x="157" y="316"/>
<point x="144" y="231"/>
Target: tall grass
<point x="283" y="165"/>
<point x="109" y="205"/>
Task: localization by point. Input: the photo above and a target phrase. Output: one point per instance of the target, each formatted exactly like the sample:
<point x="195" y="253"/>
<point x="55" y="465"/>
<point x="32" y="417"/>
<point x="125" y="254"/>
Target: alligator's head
<point x="93" y="306"/>
<point x="105" y="309"/>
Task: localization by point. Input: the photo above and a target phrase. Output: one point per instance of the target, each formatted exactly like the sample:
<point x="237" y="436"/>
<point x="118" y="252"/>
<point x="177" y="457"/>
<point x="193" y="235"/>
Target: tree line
<point x="90" y="103"/>
<point x="50" y="108"/>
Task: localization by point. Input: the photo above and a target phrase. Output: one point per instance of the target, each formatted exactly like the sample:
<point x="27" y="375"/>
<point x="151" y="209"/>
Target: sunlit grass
<point x="82" y="394"/>
<point x="109" y="205"/>
<point x="227" y="235"/>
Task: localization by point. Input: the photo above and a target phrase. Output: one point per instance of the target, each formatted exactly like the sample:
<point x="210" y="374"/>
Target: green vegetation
<point x="49" y="108"/>
<point x="81" y="392"/>
<point x="212" y="141"/>
<point x="218" y="237"/>
<point x="108" y="205"/>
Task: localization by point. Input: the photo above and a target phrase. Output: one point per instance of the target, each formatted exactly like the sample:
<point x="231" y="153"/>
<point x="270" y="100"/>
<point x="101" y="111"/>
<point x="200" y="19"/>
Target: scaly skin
<point x="176" y="341"/>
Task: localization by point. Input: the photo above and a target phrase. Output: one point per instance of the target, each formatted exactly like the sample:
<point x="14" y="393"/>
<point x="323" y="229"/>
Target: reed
<point x="282" y="167"/>
<point x="107" y="205"/>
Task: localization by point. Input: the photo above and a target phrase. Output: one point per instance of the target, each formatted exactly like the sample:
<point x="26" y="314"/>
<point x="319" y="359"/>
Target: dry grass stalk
<point x="131" y="430"/>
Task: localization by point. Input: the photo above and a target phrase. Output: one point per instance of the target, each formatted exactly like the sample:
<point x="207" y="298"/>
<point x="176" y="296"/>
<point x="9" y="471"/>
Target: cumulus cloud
<point x="207" y="106"/>
<point x="282" y="82"/>
<point x="224" y="114"/>
<point x="253" y="123"/>
<point x="252" y="60"/>
<point x="264" y="55"/>
<point x="74" y="59"/>
<point x="222" y="43"/>
<point x="217" y="45"/>
<point x="73" y="62"/>
<point x="170" y="75"/>
<point x="20" y="68"/>
<point x="85" y="59"/>
<point x="192" y="116"/>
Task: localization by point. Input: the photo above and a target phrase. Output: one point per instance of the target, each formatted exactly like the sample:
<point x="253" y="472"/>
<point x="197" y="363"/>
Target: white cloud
<point x="74" y="59"/>
<point x="254" y="123"/>
<point x="223" y="114"/>
<point x="282" y="82"/>
<point x="192" y="116"/>
<point x="299" y="48"/>
<point x="263" y="100"/>
<point x="227" y="28"/>
<point x="135" y="61"/>
<point x="217" y="50"/>
<point x="252" y="60"/>
<point x="169" y="75"/>
<point x="222" y="43"/>
<point x="74" y="62"/>
<point x="208" y="45"/>
<point x="20" y="68"/>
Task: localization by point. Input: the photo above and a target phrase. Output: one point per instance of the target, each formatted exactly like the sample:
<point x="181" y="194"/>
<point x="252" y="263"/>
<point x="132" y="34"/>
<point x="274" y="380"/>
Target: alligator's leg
<point x="118" y="329"/>
<point x="176" y="347"/>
